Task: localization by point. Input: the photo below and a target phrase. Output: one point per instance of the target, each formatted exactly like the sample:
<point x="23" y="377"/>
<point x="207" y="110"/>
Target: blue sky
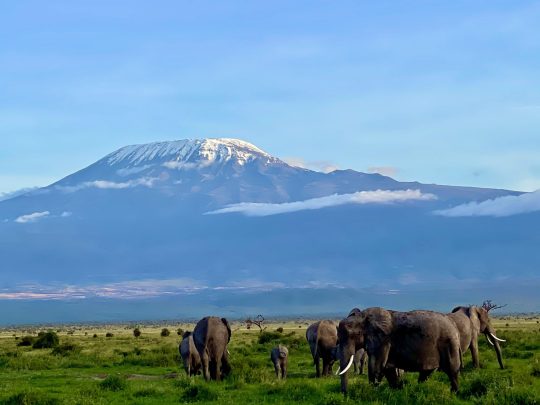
<point x="443" y="92"/>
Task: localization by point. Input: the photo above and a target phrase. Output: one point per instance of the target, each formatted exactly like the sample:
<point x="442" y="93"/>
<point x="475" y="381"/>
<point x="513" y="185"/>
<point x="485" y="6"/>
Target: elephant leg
<point x="206" y="366"/>
<point x="218" y="369"/>
<point x="362" y="362"/>
<point x="393" y="377"/>
<point x="376" y="363"/>
<point x="453" y="376"/>
<point x="424" y="375"/>
<point x="324" y="366"/>
<point x="474" y="353"/>
<point x="317" y="366"/>
<point x="284" y="371"/>
<point x="277" y="369"/>
<point x="213" y="369"/>
<point x="225" y="365"/>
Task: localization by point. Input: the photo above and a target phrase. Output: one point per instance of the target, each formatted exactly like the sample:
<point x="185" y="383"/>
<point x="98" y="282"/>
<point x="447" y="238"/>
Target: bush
<point x="30" y="398"/>
<point x="195" y="393"/>
<point x="179" y="331"/>
<point x="113" y="383"/>
<point x="95" y="335"/>
<point x="26" y="341"/>
<point x="136" y="332"/>
<point x="109" y="335"/>
<point x="279" y="330"/>
<point x="165" y="332"/>
<point x="46" y="340"/>
<point x="66" y="349"/>
<point x="266" y="337"/>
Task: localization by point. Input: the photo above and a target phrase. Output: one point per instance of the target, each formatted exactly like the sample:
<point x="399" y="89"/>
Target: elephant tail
<point x="460" y="359"/>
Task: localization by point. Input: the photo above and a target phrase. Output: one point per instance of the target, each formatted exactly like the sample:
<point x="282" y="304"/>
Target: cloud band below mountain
<point x="360" y="197"/>
<point x="35" y="216"/>
<point x="497" y="207"/>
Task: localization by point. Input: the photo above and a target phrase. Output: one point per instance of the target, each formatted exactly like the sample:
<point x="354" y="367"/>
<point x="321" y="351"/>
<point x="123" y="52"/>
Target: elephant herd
<point x="392" y="342"/>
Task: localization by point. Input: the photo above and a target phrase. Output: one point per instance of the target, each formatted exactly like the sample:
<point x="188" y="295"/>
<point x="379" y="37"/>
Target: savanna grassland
<point x="86" y="367"/>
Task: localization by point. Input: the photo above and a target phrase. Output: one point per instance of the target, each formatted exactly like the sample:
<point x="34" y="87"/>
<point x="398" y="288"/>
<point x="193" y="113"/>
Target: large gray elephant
<point x="322" y="339"/>
<point x="211" y="336"/>
<point x="280" y="358"/>
<point x="471" y="322"/>
<point x="190" y="355"/>
<point x="421" y="341"/>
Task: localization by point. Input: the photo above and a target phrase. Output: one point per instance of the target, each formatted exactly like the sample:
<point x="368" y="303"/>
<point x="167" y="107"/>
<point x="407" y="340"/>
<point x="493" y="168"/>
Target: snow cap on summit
<point x="209" y="149"/>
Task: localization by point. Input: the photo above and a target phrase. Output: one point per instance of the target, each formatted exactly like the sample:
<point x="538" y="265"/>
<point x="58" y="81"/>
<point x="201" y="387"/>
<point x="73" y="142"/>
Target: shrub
<point x="179" y="331"/>
<point x="136" y="332"/>
<point x="113" y="383"/>
<point x="95" y="335"/>
<point x="65" y="349"/>
<point x="109" y="335"/>
<point x="535" y="370"/>
<point x="279" y="330"/>
<point x="266" y="337"/>
<point x="30" y="398"/>
<point x="195" y="393"/>
<point x="46" y="340"/>
<point x="165" y="332"/>
<point x="26" y="341"/>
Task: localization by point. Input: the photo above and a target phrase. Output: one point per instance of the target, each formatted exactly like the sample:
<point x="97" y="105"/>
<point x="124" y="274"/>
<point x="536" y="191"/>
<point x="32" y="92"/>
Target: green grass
<point x="147" y="370"/>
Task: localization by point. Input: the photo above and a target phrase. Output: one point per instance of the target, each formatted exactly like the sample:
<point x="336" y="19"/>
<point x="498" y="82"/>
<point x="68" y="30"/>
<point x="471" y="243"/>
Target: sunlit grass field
<point x="122" y="369"/>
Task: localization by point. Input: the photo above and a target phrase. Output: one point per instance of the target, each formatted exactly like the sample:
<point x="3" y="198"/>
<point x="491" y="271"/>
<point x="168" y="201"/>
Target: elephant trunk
<point x="495" y="343"/>
<point x="346" y="356"/>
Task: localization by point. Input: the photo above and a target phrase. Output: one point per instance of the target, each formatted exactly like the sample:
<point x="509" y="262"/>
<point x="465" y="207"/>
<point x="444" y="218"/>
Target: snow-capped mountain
<point x="207" y="214"/>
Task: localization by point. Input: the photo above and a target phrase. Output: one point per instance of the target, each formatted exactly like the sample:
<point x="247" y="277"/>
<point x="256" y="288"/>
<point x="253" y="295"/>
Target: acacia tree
<point x="258" y="321"/>
<point x="488" y="305"/>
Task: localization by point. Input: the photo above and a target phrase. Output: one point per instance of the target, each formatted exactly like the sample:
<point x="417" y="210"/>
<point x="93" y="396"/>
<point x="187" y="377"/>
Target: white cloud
<point x="173" y="164"/>
<point x="105" y="184"/>
<point x="66" y="214"/>
<point x="35" y="216"/>
<point x="132" y="170"/>
<point x="497" y="207"/>
<point x="361" y="197"/>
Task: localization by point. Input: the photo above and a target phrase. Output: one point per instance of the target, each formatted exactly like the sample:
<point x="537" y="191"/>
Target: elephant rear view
<point x="322" y="339"/>
<point x="211" y="336"/>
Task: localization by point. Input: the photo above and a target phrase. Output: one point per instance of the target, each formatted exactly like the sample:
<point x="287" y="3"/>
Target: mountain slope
<point x="135" y="223"/>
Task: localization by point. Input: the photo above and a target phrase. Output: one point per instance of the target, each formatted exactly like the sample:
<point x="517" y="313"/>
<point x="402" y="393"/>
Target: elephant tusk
<point x="489" y="340"/>
<point x="496" y="338"/>
<point x="228" y="352"/>
<point x="348" y="365"/>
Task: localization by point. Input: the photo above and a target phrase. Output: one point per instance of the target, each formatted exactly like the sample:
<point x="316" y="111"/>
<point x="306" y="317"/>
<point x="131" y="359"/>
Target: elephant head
<point x="481" y="323"/>
<point x="350" y="339"/>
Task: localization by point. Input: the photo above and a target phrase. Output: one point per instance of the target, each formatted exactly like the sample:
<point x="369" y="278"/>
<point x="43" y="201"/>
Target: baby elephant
<point x="190" y="355"/>
<point x="280" y="357"/>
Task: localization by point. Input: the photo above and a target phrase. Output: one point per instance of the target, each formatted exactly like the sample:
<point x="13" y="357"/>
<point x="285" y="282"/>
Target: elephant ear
<point x="378" y="327"/>
<point x="456" y="309"/>
<point x="354" y="311"/>
<point x="186" y="334"/>
<point x="226" y="323"/>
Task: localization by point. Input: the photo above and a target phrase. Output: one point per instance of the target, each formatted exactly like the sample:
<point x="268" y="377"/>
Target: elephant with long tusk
<point x="471" y="322"/>
<point x="421" y="341"/>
